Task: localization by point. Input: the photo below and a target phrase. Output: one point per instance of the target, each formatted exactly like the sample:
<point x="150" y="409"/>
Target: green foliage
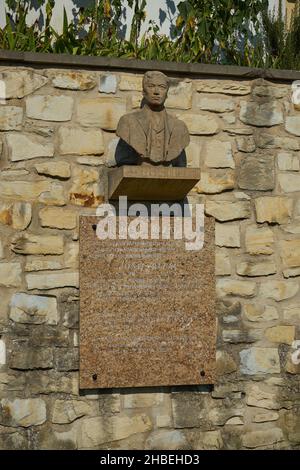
<point x="237" y="32"/>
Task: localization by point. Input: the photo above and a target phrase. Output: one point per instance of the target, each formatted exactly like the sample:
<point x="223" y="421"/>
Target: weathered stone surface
<point x="67" y="359"/>
<point x="166" y="440"/>
<point x="101" y="112"/>
<point x="292" y="125"/>
<point x="262" y="396"/>
<point x="292" y="228"/>
<point x="227" y="87"/>
<point x="210" y="440"/>
<point x="289" y="182"/>
<point x="90" y="161"/>
<point x="270" y="141"/>
<point x="23" y="412"/>
<point x="26" y="147"/>
<point x="259" y="361"/>
<point x="20" y="83"/>
<point x="216" y="104"/>
<point x="24" y="190"/>
<point x="86" y="189"/>
<point x="201" y="124"/>
<point x="67" y="411"/>
<point x="223" y="266"/>
<point x="234" y="287"/>
<point x="240" y="336"/>
<point x="290" y="253"/>
<point x="51" y="381"/>
<point x="1" y="249"/>
<point x="77" y="141"/>
<point x="180" y="95"/>
<point x="219" y="416"/>
<point x="10" y="118"/>
<point x="239" y="131"/>
<point x="17" y="215"/>
<point x="225" y="363"/>
<point x="254" y="268"/>
<point x="261" y="114"/>
<point x="55" y="196"/>
<point x="227" y="235"/>
<point x="52" y="280"/>
<point x="143" y="400"/>
<point x="193" y="152"/>
<point x="33" y="309"/>
<point x="280" y="334"/>
<point x="265" y="89"/>
<point x="54" y="217"/>
<point x="275" y="210"/>
<point x="216" y="182"/>
<point x="73" y="80"/>
<point x="2" y="353"/>
<point x="257" y="172"/>
<point x="258" y="313"/>
<point x="129" y="82"/>
<point x="288" y="162"/>
<point x="30" y="244"/>
<point x="236" y="421"/>
<point x="246" y="144"/>
<point x="96" y="431"/>
<point x="50" y="108"/>
<point x="188" y="411"/>
<point x="10" y="274"/>
<point x="108" y="83"/>
<point x="259" y="240"/>
<point x="58" y="169"/>
<point x="279" y="290"/>
<point x="253" y="439"/>
<point x="219" y="155"/>
<point x="265" y="417"/>
<point x="291" y="314"/>
<point x="228" y="118"/>
<point x="24" y="357"/>
<point x="228" y="210"/>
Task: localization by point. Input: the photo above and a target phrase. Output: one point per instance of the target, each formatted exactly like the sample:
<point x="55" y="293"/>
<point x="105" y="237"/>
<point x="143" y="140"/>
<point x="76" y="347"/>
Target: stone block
<point x="219" y="155"/>
<point x="52" y="280"/>
<point x="260" y="313"/>
<point x="227" y="87"/>
<point x="17" y="215"/>
<point x="288" y="162"/>
<point x="23" y="412"/>
<point x="289" y="183"/>
<point x="166" y="440"/>
<point x="29" y="244"/>
<point x="11" y="118"/>
<point x="216" y="104"/>
<point x="20" y="83"/>
<point x="223" y="266"/>
<point x="259" y="361"/>
<point x="262" y="396"/>
<point x="50" y="108"/>
<point x="108" y="83"/>
<point x="25" y="357"/>
<point x="10" y="274"/>
<point x="130" y="82"/>
<point x="234" y="287"/>
<point x="33" y="309"/>
<point x="216" y="181"/>
<point x="26" y="147"/>
<point x="54" y="169"/>
<point x="274" y="210"/>
<point x="73" y="80"/>
<point x="261" y="114"/>
<point x="224" y="210"/>
<point x="180" y="95"/>
<point x="253" y="268"/>
<point x="259" y="240"/>
<point x="201" y="124"/>
<point x="292" y="125"/>
<point x="67" y="411"/>
<point x="263" y="438"/>
<point x="228" y="235"/>
<point x="101" y="112"/>
<point x="279" y="290"/>
<point x="257" y="172"/>
<point x="225" y="364"/>
<point x="55" y="217"/>
<point x="280" y="334"/>
<point x="77" y="141"/>
<point x="246" y="144"/>
<point x="86" y="189"/>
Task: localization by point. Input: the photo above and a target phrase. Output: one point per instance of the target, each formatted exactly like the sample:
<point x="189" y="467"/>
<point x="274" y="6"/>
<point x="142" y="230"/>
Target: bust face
<point x="155" y="91"/>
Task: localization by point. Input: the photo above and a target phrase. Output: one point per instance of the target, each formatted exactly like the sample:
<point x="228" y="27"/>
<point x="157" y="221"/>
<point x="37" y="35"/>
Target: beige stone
<point x="166" y="439"/>
<point x="216" y="182"/>
<point x="257" y="172"/>
<point x="143" y="400"/>
<point x="228" y="210"/>
<point x="26" y="147"/>
<point x="54" y="196"/>
<point x="261" y="114"/>
<point x="71" y="256"/>
<point x="280" y="334"/>
<point x="35" y="263"/>
<point x="289" y="183"/>
<point x="259" y="240"/>
<point x="265" y="417"/>
<point x="257" y="313"/>
<point x="101" y="112"/>
<point x="131" y="82"/>
<point x="275" y="209"/>
<point x="210" y="440"/>
<point x="11" y="118"/>
<point x="291" y="314"/>
<point x="288" y="162"/>
<point x="25" y="412"/>
<point x="223" y="266"/>
<point x="259" y="361"/>
<point x="67" y="411"/>
<point x="50" y="108"/>
<point x="234" y="287"/>
<point x="20" y="83"/>
<point x="265" y="140"/>
<point x="52" y="280"/>
<point x="96" y="431"/>
<point x="262" y="396"/>
<point x="77" y="141"/>
<point x="227" y="87"/>
<point x="225" y="363"/>
<point x="193" y="153"/>
<point x="58" y="169"/>
<point x="268" y="90"/>
<point x="33" y="309"/>
<point x="30" y="244"/>
<point x="252" y="268"/>
<point x="292" y="228"/>
<point x="236" y="421"/>
<point x="73" y="80"/>
<point x="217" y="104"/>
<point x="253" y="439"/>
<point x="54" y="217"/>
<point x="292" y="125"/>
<point x="201" y="124"/>
<point x="90" y="161"/>
<point x="279" y="290"/>
<point x="1" y="249"/>
<point x="7" y="174"/>
<point x="24" y="190"/>
<point x="17" y="215"/>
<point x="290" y="253"/>
<point x="219" y="155"/>
<point x="86" y="189"/>
<point x="246" y="144"/>
<point x="10" y="274"/>
<point x="228" y="235"/>
<point x="180" y="96"/>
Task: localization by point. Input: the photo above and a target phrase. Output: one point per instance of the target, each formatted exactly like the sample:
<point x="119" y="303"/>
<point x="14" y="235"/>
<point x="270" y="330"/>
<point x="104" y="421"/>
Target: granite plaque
<point x="147" y="310"/>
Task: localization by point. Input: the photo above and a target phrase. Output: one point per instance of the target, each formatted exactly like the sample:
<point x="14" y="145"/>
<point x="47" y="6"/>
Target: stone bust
<point x="151" y="135"/>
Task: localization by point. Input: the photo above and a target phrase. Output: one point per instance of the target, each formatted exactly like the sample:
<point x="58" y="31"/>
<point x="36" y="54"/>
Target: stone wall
<point x="57" y="139"/>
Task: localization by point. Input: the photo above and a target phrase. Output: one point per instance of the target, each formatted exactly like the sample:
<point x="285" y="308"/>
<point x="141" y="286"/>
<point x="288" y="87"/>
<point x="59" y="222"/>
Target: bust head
<point x="155" y="89"/>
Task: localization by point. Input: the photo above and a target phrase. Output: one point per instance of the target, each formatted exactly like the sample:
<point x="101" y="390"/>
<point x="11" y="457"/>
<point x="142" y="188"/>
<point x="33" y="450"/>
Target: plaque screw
<point x="94" y="227"/>
<point x="95" y="376"/>
<point x="202" y="373"/>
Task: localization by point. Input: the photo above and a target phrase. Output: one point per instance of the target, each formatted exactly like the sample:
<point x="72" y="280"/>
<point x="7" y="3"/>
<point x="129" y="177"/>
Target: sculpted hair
<point x="155" y="74"/>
